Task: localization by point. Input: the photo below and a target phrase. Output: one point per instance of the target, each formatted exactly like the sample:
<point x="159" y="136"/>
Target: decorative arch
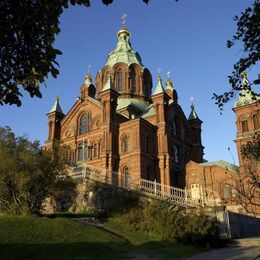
<point x="126" y="178"/>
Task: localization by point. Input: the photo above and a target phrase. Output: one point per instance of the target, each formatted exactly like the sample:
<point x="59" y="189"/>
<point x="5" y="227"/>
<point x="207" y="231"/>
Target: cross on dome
<point x="123" y="18"/>
<point x="159" y="73"/>
<point x="89" y="69"/>
<point x="168" y="74"/>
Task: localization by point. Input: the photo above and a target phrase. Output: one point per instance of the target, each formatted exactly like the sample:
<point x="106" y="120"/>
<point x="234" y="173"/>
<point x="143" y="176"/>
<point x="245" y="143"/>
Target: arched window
<point x="84" y="124"/>
<point x="119" y="80"/>
<point x="124" y="144"/>
<point x="133" y="79"/>
<point x="256" y="121"/>
<point x="127" y="179"/>
<point x="244" y="125"/>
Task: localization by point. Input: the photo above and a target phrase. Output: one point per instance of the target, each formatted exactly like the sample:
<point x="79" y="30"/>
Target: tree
<point x="248" y="31"/>
<point x="245" y="187"/>
<point x="29" y="175"/>
<point x="28" y="29"/>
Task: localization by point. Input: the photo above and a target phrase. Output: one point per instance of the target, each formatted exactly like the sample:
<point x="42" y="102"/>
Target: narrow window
<point x="256" y="121"/>
<point x="133" y="78"/>
<point x="124" y="146"/>
<point x="244" y="126"/>
<point x="80" y="152"/>
<point x="119" y="80"/>
<point x="85" y="150"/>
<point x="83" y="125"/>
<point x="127" y="178"/>
<point x="95" y="153"/>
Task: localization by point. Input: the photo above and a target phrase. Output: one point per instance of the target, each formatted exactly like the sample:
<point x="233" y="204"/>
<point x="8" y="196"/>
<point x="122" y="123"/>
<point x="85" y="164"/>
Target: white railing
<point x="174" y="195"/>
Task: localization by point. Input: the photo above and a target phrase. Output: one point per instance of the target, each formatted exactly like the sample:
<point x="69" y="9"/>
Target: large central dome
<point x="126" y="73"/>
<point x="123" y="51"/>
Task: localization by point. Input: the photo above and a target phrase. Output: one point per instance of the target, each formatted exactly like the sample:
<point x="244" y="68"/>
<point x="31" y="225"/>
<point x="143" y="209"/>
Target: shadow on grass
<point x="64" y="251"/>
<point x="93" y="250"/>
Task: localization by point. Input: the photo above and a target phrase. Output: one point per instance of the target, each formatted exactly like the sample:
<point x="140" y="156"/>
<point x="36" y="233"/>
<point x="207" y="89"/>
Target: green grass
<point x="57" y="237"/>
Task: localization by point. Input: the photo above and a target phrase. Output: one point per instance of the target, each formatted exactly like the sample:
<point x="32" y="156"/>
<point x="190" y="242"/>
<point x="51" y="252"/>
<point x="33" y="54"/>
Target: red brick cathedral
<point x="119" y="124"/>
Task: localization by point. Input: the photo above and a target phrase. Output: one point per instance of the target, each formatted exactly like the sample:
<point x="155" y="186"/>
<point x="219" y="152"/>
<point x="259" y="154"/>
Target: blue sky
<point x="186" y="37"/>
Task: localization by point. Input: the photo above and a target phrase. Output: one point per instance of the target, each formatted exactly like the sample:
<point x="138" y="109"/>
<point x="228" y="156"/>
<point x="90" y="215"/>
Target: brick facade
<point x="119" y="125"/>
<point x="219" y="180"/>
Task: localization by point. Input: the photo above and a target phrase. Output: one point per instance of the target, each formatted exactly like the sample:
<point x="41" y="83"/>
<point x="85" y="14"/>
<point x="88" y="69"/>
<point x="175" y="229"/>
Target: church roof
<point x="159" y="88"/>
<point x="123" y="51"/>
<point x="193" y="114"/>
<point x="125" y="102"/>
<point x="150" y="111"/>
<point x="56" y="107"/>
<point x="245" y="95"/>
<point x="226" y="165"/>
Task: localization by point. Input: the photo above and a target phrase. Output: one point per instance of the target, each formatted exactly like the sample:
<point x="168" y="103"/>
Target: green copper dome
<point x="123" y="51"/>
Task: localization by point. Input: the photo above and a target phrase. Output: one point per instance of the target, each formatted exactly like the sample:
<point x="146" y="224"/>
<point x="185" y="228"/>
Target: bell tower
<point x="247" y="110"/>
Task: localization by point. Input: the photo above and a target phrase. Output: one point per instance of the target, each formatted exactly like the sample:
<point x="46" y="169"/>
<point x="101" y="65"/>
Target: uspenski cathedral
<point x="120" y="125"/>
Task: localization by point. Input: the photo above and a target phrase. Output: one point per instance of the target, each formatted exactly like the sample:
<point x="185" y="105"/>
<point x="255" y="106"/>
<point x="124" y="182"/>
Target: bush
<point x="161" y="221"/>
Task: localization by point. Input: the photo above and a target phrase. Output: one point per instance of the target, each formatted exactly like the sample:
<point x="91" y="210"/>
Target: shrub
<point x="159" y="220"/>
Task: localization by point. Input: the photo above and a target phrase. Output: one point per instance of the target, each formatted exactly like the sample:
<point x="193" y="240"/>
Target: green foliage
<point x="162" y="222"/>
<point x="248" y="32"/>
<point x="251" y="150"/>
<point x="27" y="56"/>
<point x="28" y="175"/>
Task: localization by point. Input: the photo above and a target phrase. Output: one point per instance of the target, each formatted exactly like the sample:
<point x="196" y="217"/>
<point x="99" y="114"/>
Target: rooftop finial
<point x="192" y="101"/>
<point x="168" y="82"/>
<point x="88" y="78"/>
<point x="123" y="18"/>
<point x="89" y="69"/>
<point x="168" y="75"/>
<point x="57" y="98"/>
<point x="159" y="74"/>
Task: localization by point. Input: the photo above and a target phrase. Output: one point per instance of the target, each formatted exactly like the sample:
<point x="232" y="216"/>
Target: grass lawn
<point x="56" y="238"/>
<point x="64" y="238"/>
